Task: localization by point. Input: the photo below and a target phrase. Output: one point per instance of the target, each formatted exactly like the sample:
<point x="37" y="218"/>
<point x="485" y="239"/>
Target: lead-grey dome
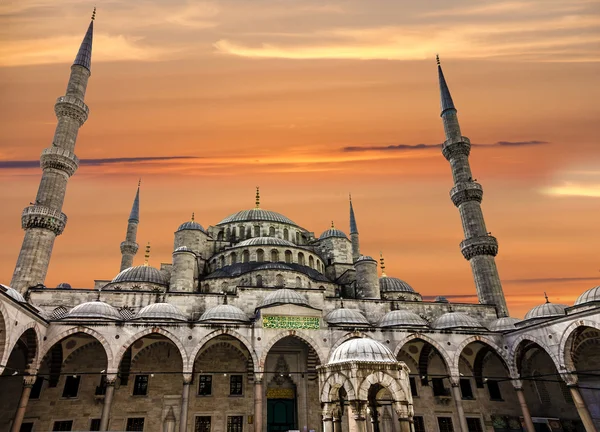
<point x="257" y="214"/>
<point x="224" y="313"/>
<point x="454" y="320"/>
<point x="390" y="284"/>
<point x="274" y="266"/>
<point x="362" y="350"/>
<point x="64" y="285"/>
<point x="503" y="324"/>
<point x="546" y="310"/>
<point x="343" y="316"/>
<point x="266" y="241"/>
<point x="94" y="310"/>
<point x="142" y="273"/>
<point x="190" y="225"/>
<point x="13" y="293"/>
<point x="160" y="311"/>
<point x="284" y="296"/>
<point x="333" y="232"/>
<point x="591" y="295"/>
<point x="402" y="318"/>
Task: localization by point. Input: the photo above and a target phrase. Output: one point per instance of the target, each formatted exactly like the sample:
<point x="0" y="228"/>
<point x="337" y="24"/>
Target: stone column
<point x="327" y="417"/>
<point x="459" y="407"/>
<point x="405" y="425"/>
<point x="337" y="420"/>
<point x="358" y="415"/>
<point x="258" y="403"/>
<point x="185" y="399"/>
<point x="524" y="408"/>
<point x="28" y="382"/>
<point x="582" y="410"/>
<point x="405" y="414"/>
<point x="108" y="396"/>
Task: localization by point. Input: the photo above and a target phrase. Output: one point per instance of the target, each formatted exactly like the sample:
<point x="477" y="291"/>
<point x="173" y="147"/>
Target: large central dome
<point x="257" y="214"/>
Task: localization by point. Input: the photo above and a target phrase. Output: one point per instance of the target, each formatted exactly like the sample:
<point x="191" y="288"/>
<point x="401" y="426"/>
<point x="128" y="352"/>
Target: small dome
<point x="94" y="310"/>
<point x="366" y="258"/>
<point x="503" y="324"/>
<point x="284" y="296"/>
<point x="64" y="285"/>
<point x="362" y="350"/>
<point x="183" y="249"/>
<point x="190" y="225"/>
<point x="333" y="232"/>
<point x="546" y="310"/>
<point x="11" y="292"/>
<point x="142" y="273"/>
<point x="591" y="295"/>
<point x="390" y="284"/>
<point x="160" y="311"/>
<point x="274" y="266"/>
<point x="223" y="313"/>
<point x="266" y="241"/>
<point x="256" y="214"/>
<point x="453" y="320"/>
<point x="441" y="299"/>
<point x="343" y="316"/>
<point x="402" y="318"/>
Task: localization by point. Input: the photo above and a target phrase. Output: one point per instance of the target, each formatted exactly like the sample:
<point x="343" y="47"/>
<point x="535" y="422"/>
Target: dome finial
<point x="192" y="216"/>
<point x="147" y="255"/>
<point x="257" y="197"/>
<point x="332" y="226"/>
<point x="139" y="182"/>
<point x="437" y="59"/>
<point x="94" y="14"/>
<point x="382" y="264"/>
<point x="546" y="296"/>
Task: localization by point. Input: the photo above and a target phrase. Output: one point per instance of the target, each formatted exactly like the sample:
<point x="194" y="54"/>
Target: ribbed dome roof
<point x="590" y="295"/>
<point x="266" y="241"/>
<point x="546" y="310"/>
<point x="11" y="292"/>
<point x="346" y="316"/>
<point x="366" y="258"/>
<point x="224" y="313"/>
<point x="402" y="318"/>
<point x="142" y="273"/>
<point x="362" y="350"/>
<point x="284" y="296"/>
<point x="390" y="284"/>
<point x="160" y="311"/>
<point x="190" y="225"/>
<point x="453" y="320"/>
<point x="333" y="232"/>
<point x="64" y="285"/>
<point x="94" y="310"/>
<point x="274" y="266"/>
<point x="256" y="214"/>
<point x="503" y="324"/>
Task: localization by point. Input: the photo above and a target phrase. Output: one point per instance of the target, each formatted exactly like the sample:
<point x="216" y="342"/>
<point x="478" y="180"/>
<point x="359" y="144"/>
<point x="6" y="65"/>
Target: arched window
<point x="274" y="255"/>
<point x="241" y="230"/>
<point x="260" y="255"/>
<point x="257" y="231"/>
<point x="298" y="282"/>
<point x="288" y="256"/>
<point x="286" y="234"/>
<point x="206" y="288"/>
<point x="309" y="285"/>
<point x="278" y="280"/>
<point x="233" y="258"/>
<point x="222" y="262"/>
<point x="220" y="236"/>
<point x="311" y="262"/>
<point x="259" y="281"/>
<point x="246" y="256"/>
<point x="228" y="234"/>
<point x="301" y="258"/>
<point x="248" y="232"/>
<point x="297" y="237"/>
<point x="233" y="234"/>
<point x="271" y="231"/>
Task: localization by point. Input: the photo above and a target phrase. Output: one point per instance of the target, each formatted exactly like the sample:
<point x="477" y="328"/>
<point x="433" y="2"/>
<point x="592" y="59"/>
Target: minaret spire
<point x="353" y="233"/>
<point x="479" y="246"/>
<point x="129" y="247"/>
<point x="44" y="219"/>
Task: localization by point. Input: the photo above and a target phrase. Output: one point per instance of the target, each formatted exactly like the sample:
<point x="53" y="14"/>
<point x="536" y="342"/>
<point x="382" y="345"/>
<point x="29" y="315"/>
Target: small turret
<point x="367" y="281"/>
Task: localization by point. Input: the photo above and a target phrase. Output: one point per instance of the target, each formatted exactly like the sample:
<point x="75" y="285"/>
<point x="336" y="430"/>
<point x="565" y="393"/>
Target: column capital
<point x="454" y="381"/>
<point x="258" y="377"/>
<point x="359" y="409"/>
<point x="570" y="379"/>
<point x="29" y="380"/>
<point x="187" y="378"/>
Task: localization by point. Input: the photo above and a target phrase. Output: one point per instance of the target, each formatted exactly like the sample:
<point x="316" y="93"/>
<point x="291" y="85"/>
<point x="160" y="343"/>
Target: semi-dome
<point x="503" y="324"/>
<point x="333" y="232"/>
<point x="591" y="295"/>
<point x="64" y="285"/>
<point x="453" y="320"/>
<point x="546" y="310"/>
<point x="142" y="273"/>
<point x="366" y="258"/>
<point x="362" y="350"/>
<point x="343" y="316"/>
<point x="284" y="296"/>
<point x="191" y="225"/>
<point x="94" y="310"/>
<point x="160" y="311"/>
<point x="11" y="292"/>
<point x="266" y="241"/>
<point x="256" y="214"/>
<point x="224" y="313"/>
<point x="402" y="318"/>
<point x="390" y="284"/>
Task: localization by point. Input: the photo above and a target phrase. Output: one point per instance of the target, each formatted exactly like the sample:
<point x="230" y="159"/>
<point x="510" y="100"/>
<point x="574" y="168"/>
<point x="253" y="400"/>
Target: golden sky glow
<point x="313" y="99"/>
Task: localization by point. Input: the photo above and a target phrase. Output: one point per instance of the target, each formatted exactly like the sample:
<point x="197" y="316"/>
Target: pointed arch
<point x="332" y="385"/>
<point x="483" y="340"/>
<point x="5" y="340"/>
<point x="443" y="353"/>
<point x="33" y="341"/>
<point x="223" y="331"/>
<point x="386" y="381"/>
<point x="516" y="349"/>
<point x="565" y="358"/>
<point x="298" y="334"/>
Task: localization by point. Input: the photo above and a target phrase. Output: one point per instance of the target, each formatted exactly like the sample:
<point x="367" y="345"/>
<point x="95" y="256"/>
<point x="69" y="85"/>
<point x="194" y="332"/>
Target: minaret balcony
<point x="60" y="159"/>
<point x="73" y="107"/>
<point x="39" y="216"/>
<point x="466" y="191"/>
<point x="453" y="147"/>
<point x="128" y="247"/>
<point x="481" y="245"/>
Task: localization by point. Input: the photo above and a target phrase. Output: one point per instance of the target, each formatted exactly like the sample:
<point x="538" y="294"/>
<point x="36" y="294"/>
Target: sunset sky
<point x="312" y="100"/>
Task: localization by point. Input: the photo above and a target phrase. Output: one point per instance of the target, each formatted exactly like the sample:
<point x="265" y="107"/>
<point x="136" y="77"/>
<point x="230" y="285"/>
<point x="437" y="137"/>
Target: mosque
<point x="259" y="325"/>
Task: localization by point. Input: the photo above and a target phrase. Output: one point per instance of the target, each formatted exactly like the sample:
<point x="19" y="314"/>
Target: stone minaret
<point x="129" y="247"/>
<point x="479" y="247"/>
<point x="353" y="233"/>
<point x="43" y="220"/>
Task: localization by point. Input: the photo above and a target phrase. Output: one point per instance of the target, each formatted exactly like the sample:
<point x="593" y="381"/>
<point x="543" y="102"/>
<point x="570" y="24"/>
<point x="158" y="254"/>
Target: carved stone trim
<point x="59" y="159"/>
<point x="467" y="191"/>
<point x="475" y="246"/>
<point x="455" y="147"/>
<point x="38" y="216"/>
<point x="70" y="106"/>
<point x="129" y="247"/>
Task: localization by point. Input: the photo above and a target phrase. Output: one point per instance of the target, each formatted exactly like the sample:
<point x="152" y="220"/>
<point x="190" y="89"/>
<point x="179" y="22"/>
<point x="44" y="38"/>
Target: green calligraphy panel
<point x="291" y="322"/>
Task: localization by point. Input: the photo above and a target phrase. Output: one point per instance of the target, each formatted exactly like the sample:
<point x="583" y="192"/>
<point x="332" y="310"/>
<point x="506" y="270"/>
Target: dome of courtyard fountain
<point x="402" y="318"/>
<point x="362" y="350"/>
<point x="284" y="296"/>
<point x="160" y="311"/>
<point x="456" y="320"/>
<point x="94" y="310"/>
<point x="224" y="313"/>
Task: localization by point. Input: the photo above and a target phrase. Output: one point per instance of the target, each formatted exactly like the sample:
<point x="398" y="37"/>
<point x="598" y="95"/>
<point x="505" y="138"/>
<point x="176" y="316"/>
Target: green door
<point x="281" y="415"/>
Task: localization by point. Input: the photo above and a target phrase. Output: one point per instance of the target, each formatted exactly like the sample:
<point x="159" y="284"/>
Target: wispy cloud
<point x="549" y="280"/>
<point x="409" y="147"/>
<point x="572" y="189"/>
<point x="24" y="164"/>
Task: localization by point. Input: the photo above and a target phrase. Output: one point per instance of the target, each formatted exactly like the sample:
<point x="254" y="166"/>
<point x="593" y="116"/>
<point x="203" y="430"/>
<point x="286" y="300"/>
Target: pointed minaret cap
<point x="446" y="99"/>
<point x="134" y="216"/>
<point x="84" y="56"/>
<point x="353" y="228"/>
